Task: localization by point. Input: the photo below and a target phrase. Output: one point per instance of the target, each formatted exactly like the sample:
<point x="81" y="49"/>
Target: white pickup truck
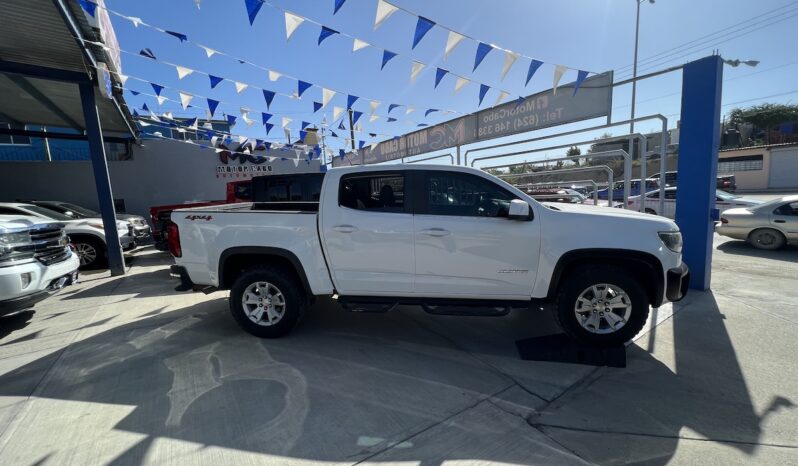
<point x="454" y="240"/>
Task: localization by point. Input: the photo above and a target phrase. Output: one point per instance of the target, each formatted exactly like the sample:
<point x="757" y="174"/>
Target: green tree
<point x="765" y="117"/>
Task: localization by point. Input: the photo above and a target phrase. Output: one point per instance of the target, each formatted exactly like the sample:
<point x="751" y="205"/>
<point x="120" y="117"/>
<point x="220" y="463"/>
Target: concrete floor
<point x="127" y="371"/>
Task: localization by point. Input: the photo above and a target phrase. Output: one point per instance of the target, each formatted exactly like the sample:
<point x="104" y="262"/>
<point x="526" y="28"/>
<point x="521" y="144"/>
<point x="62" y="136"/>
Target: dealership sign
<point x="542" y="110"/>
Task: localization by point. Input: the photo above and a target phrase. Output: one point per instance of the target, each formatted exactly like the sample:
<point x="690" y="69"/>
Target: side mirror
<point x="519" y="210"/>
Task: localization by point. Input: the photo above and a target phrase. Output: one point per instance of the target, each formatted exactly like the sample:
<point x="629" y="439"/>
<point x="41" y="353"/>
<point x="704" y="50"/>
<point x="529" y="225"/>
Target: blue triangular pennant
<point x="145" y="108"/>
<point x="360" y="144"/>
<point x="302" y="86"/>
<point x="390" y="120"/>
<point x="421" y="125"/>
<point x="157" y="88"/>
<point x="268" y="126"/>
<point x="267" y="145"/>
<point x="135" y="92"/>
<point x="135" y="113"/>
<point x="580" y="76"/>
<point x="179" y="35"/>
<point x="374" y="135"/>
<point x="386" y="57"/>
<point x="439" y="74"/>
<point x="356" y="116"/>
<point x="338" y="5"/>
<point x="341" y="125"/>
<point x="265" y="117"/>
<point x="316" y="106"/>
<point x="392" y="106"/>
<point x="231" y="120"/>
<point x="147" y="53"/>
<point x="426" y="114"/>
<point x="350" y="100"/>
<point x="302" y="134"/>
<point x="519" y="101"/>
<point x="325" y="33"/>
<point x="253" y="6"/>
<point x="305" y="124"/>
<point x="215" y="80"/>
<point x="212" y="104"/>
<point x="422" y="28"/>
<point x="482" y="50"/>
<point x="341" y="153"/>
<point x="269" y="96"/>
<point x="533" y="66"/>
<point x="89" y="6"/>
<point x="333" y="134"/>
<point x="483" y="89"/>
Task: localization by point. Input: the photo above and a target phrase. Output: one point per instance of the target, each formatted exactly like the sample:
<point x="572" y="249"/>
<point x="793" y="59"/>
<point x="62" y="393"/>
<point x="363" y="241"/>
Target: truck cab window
<point x="466" y="196"/>
<point x="379" y="192"/>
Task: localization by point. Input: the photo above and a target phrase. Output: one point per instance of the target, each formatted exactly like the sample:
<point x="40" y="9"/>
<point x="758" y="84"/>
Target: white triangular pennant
<point x="358" y="128"/>
<point x="296" y="161"/>
<point x="197" y="2"/>
<point x="373" y="118"/>
<point x="181" y="130"/>
<point x="292" y="22"/>
<point x="451" y="42"/>
<point x="384" y="10"/>
<point x="373" y="145"/>
<point x="373" y="105"/>
<point x="337" y="112"/>
<point x="274" y="76"/>
<point x="247" y="120"/>
<point x="122" y="78"/>
<point x="460" y="83"/>
<point x="214" y="139"/>
<point x="161" y="99"/>
<point x="182" y="71"/>
<point x="168" y="115"/>
<point x="410" y="110"/>
<point x="358" y="44"/>
<point x="185" y="99"/>
<point x="217" y="150"/>
<point x="502" y="95"/>
<point x="144" y="123"/>
<point x="509" y="59"/>
<point x="326" y="96"/>
<point x="136" y="21"/>
<point x="208" y="51"/>
<point x="559" y="70"/>
<point x="242" y="139"/>
<point x="240" y="87"/>
<point x="415" y="70"/>
<point x="286" y="121"/>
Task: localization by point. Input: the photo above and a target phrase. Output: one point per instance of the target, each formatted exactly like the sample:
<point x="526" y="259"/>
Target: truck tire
<point x="601" y="306"/>
<point x="266" y="301"/>
<point x="91" y="252"/>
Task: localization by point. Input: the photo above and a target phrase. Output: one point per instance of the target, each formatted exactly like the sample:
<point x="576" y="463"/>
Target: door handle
<point x="779" y="221"/>
<point x="437" y="232"/>
<point x="345" y="228"/>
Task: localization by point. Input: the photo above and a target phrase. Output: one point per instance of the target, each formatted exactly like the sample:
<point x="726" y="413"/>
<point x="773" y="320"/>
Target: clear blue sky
<point x="595" y="35"/>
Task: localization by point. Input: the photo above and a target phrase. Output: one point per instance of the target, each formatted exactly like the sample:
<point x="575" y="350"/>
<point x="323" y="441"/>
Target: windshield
<point x="724" y="196"/>
<point x="48" y="213"/>
<point x="80" y="210"/>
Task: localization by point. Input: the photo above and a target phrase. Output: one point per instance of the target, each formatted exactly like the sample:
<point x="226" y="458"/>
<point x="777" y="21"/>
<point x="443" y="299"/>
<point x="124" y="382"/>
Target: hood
<point x="120" y="225"/>
<point x="17" y="222"/>
<point x="613" y="213"/>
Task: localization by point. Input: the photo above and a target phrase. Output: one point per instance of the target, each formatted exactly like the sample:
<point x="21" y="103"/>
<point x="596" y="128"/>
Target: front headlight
<point x="672" y="240"/>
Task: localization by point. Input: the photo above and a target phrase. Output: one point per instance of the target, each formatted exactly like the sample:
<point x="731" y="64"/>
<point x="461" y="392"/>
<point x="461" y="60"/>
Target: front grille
<point x="46" y="233"/>
<point x="53" y="256"/>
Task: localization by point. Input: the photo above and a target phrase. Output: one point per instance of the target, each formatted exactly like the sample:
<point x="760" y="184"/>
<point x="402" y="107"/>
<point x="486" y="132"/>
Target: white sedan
<point x="723" y="201"/>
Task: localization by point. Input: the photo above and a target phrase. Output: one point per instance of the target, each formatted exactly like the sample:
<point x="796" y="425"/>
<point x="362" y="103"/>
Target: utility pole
<point x="352" y="129"/>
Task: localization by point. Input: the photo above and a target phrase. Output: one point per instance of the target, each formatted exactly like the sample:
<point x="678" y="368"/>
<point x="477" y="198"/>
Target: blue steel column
<point x="99" y="164"/>
<point x="699" y="141"/>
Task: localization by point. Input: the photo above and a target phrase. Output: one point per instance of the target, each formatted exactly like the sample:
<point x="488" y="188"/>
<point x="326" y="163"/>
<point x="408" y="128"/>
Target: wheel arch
<point x="233" y="261"/>
<point x="645" y="264"/>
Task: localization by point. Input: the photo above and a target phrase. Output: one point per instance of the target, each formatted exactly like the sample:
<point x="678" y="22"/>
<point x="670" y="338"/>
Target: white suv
<point x="35" y="262"/>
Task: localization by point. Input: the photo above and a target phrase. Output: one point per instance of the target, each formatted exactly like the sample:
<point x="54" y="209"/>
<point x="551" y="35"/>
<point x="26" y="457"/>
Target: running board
<point x="435" y="306"/>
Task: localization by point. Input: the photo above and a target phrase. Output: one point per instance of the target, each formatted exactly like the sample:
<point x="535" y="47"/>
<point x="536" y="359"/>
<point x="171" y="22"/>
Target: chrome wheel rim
<point x="603" y="308"/>
<point x="86" y="253"/>
<point x="263" y="303"/>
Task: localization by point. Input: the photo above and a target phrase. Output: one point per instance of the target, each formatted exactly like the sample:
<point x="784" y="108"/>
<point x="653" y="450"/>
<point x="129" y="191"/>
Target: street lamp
<point x="737" y="62"/>
<point x="634" y="69"/>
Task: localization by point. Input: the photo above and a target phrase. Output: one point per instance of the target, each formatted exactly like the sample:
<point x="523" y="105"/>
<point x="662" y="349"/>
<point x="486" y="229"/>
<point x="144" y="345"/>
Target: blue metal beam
<point x="699" y="141"/>
<point x="116" y="262"/>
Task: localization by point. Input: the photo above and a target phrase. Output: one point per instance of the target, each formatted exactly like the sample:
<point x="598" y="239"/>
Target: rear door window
<point x="379" y="192"/>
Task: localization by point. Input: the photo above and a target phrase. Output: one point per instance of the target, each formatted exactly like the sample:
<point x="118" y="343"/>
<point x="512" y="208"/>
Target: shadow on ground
<point x="389" y="387"/>
<point x="787" y="254"/>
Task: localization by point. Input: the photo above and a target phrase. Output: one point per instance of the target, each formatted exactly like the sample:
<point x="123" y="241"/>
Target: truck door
<point x="465" y="244"/>
<point x="368" y="235"/>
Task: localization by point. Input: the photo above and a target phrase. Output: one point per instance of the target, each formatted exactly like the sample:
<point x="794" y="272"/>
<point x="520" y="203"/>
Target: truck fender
<point x="255" y="255"/>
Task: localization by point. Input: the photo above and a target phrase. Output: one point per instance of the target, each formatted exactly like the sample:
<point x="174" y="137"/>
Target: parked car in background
<point x="236" y="191"/>
<point x="634" y="189"/>
<point x="723" y="202"/>
<point x="35" y="261"/>
<point x="563" y="196"/>
<point x="769" y="225"/>
<point x="86" y="235"/>
<point x="454" y="240"/>
<point x="141" y="230"/>
<point x="726" y="183"/>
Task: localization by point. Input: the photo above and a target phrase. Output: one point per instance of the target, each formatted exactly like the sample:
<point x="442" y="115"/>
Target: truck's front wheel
<point x="601" y="306"/>
<point x="266" y="302"/>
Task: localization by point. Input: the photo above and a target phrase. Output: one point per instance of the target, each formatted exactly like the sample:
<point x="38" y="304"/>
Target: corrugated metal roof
<point x="33" y="32"/>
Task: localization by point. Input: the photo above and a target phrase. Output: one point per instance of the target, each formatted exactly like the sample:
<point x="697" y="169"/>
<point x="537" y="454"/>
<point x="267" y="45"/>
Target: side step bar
<point x="438" y="306"/>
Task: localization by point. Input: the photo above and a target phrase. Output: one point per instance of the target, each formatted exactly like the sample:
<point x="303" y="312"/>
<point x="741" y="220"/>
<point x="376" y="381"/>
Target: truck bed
<point x="263" y="207"/>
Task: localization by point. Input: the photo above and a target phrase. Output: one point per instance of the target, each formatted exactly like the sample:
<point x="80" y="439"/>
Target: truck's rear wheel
<point x="601" y="306"/>
<point x="266" y="301"/>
